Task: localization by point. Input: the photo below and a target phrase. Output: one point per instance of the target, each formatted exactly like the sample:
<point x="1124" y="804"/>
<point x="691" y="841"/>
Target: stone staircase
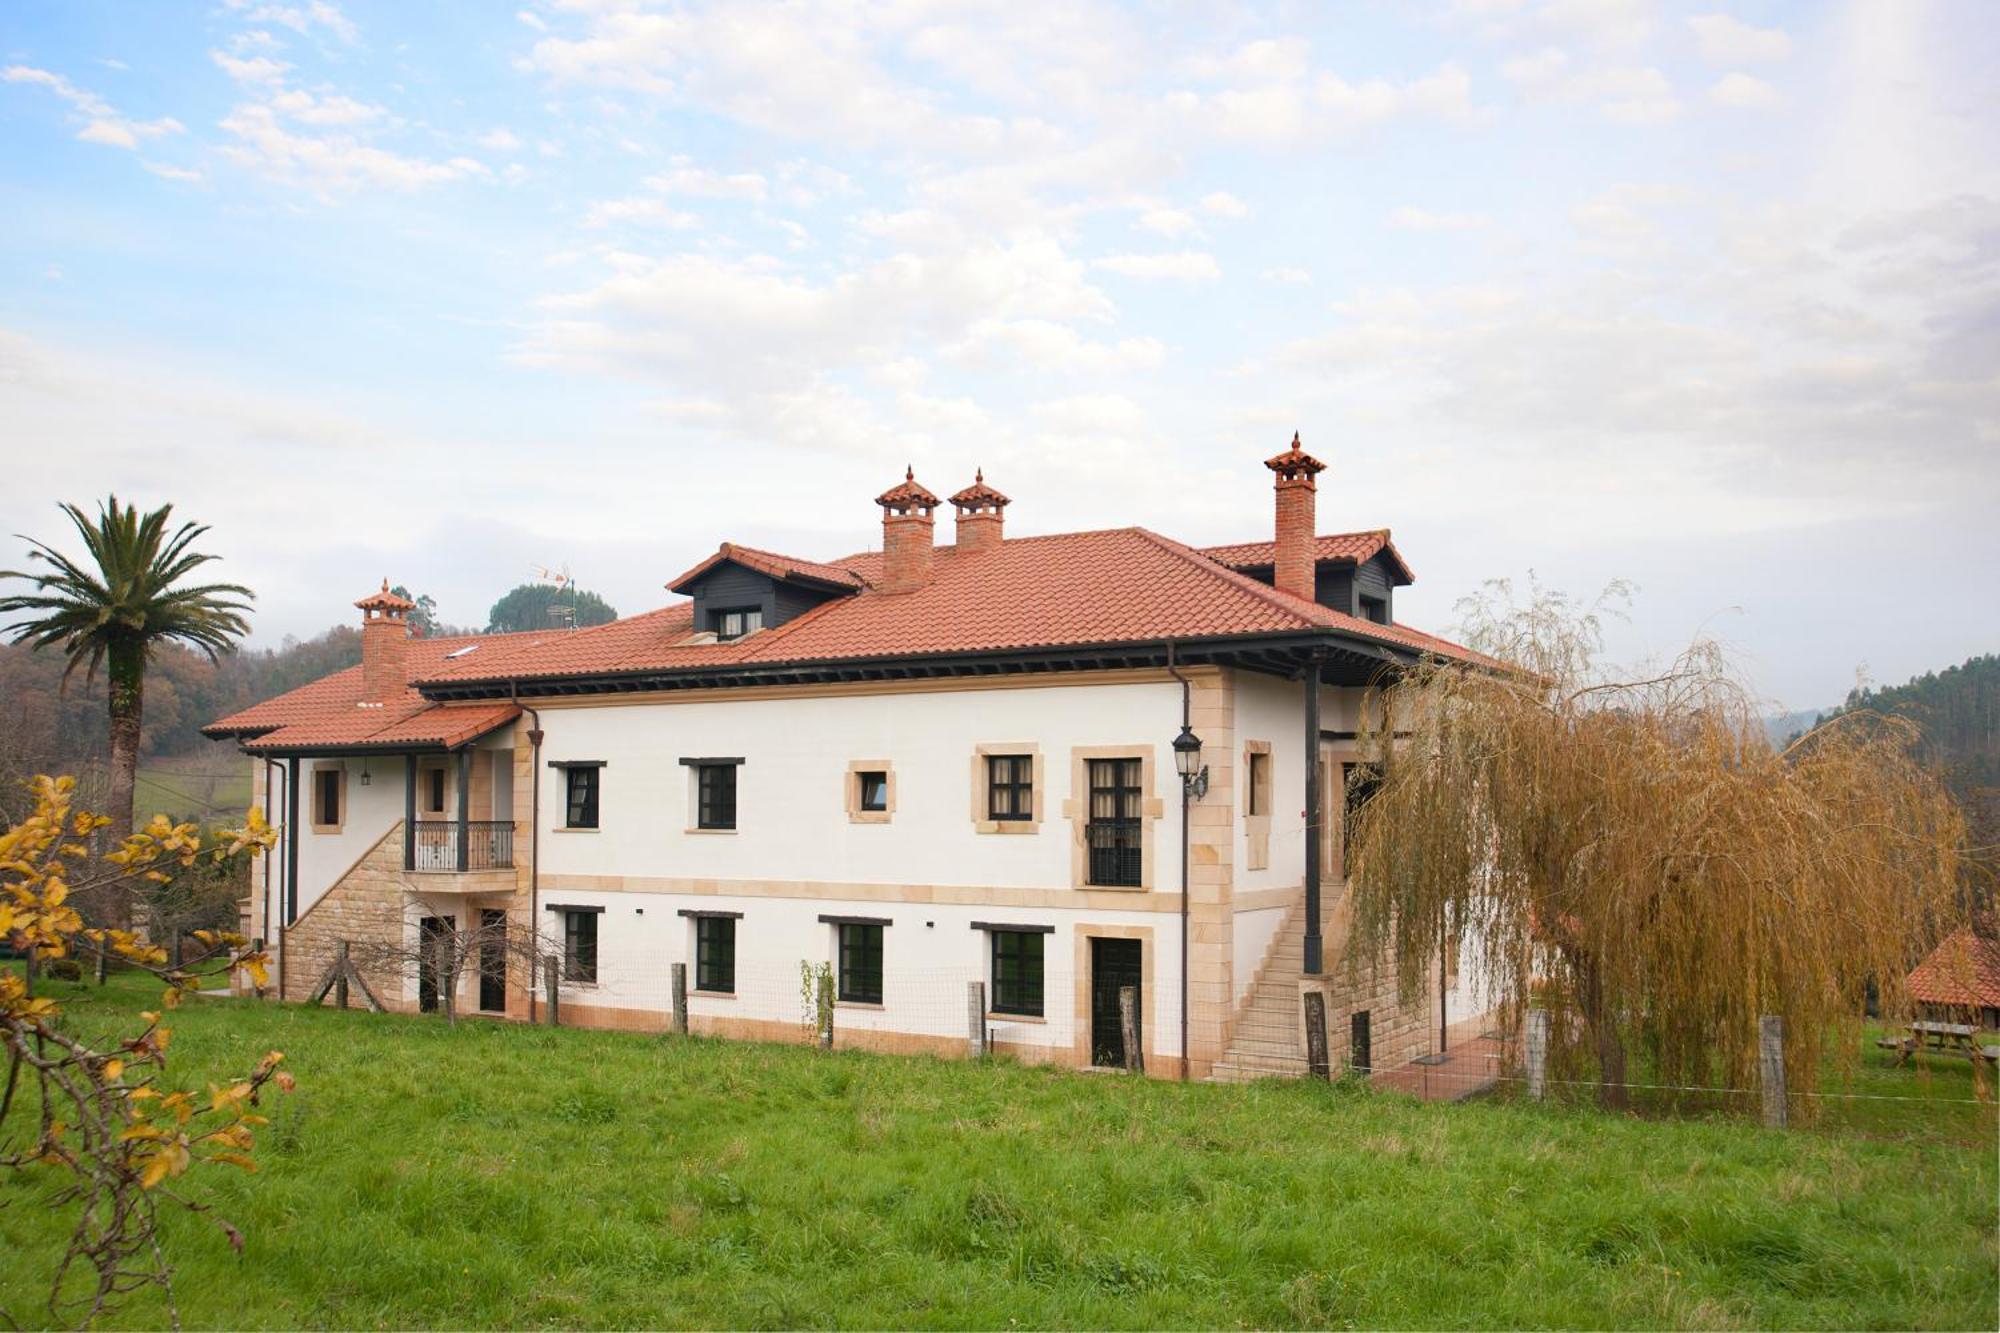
<point x="1266" y="1040"/>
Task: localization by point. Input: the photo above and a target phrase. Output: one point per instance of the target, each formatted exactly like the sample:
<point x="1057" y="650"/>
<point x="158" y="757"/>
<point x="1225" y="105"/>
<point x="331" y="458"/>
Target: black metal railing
<point x="488" y="845"/>
<point x="1115" y="857"/>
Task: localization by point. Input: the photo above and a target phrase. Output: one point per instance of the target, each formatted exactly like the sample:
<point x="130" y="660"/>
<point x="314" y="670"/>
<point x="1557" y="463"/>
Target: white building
<point x="922" y="767"/>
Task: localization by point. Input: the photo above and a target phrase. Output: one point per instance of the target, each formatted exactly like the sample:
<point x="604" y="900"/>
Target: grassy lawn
<point x="501" y="1175"/>
<point x="202" y="788"/>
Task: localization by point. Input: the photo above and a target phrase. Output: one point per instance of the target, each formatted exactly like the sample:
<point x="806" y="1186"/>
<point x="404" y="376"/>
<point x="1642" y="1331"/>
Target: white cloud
<point x="1043" y="344"/>
<point x="167" y="172"/>
<point x="499" y="140"/>
<point x="1223" y="204"/>
<point x="327" y="109"/>
<point x="1421" y="219"/>
<point x="1289" y="105"/>
<point x="1626" y="94"/>
<point x="1624" y="214"/>
<point x="1743" y="92"/>
<point x="102" y="123"/>
<point x="1537" y="70"/>
<point x="685" y="178"/>
<point x="253" y="69"/>
<point x="1183" y="266"/>
<point x="330" y="164"/>
<point x="649" y="211"/>
<point x="1167" y="221"/>
<point x="302" y="19"/>
<point x="1292" y="277"/>
<point x="1724" y="40"/>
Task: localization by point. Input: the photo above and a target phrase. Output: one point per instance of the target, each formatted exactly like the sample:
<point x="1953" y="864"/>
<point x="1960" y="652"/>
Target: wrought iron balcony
<point x="446" y="845"/>
<point x="1115" y="851"/>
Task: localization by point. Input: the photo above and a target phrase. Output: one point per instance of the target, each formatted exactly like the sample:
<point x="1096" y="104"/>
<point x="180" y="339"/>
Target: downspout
<point x="290" y="905"/>
<point x="534" y="840"/>
<point x="270" y="862"/>
<point x="1187" y="714"/>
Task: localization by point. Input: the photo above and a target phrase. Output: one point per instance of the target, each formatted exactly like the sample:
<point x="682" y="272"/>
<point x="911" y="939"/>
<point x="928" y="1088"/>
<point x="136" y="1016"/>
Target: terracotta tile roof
<point x="1069" y="590"/>
<point x="1964" y="970"/>
<point x="770" y="563"/>
<point x="909" y="493"/>
<point x="1124" y="585"/>
<point x="385" y="601"/>
<point x="332" y="712"/>
<point x="1339" y="547"/>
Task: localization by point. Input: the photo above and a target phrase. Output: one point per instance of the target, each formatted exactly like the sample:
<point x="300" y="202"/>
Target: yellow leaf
<point x="234" y="1159"/>
<point x="113" y="1068"/>
<point x="156" y="1170"/>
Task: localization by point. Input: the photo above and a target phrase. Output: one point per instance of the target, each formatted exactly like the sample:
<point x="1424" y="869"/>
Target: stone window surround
<point x="312" y="792"/>
<point x="1038" y="801"/>
<point x="1257" y="827"/>
<point x="852" y="784"/>
<point x="1083" y="933"/>
<point x="1077" y="811"/>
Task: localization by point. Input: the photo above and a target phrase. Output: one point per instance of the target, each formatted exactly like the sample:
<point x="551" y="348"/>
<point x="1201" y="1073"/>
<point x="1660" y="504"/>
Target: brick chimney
<point x="979" y="517"/>
<point x="906" y="534"/>
<point x="385" y="643"/>
<point x="1293" y="555"/>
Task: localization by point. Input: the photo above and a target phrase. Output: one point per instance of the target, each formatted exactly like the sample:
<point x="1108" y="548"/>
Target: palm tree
<point x="116" y="614"/>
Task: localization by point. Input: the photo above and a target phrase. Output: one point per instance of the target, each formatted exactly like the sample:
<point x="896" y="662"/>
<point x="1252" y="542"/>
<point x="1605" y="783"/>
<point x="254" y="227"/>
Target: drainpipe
<point x="1187" y="713"/>
<point x="534" y="840"/>
<point x="271" y="772"/>
<point x="1314" y="948"/>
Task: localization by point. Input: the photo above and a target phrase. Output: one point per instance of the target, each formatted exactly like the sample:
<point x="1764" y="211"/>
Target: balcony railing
<point x="1115" y="855"/>
<point x="488" y="845"/>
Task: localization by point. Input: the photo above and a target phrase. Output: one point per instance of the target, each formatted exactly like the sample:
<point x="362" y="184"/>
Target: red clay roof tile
<point x="1964" y="970"/>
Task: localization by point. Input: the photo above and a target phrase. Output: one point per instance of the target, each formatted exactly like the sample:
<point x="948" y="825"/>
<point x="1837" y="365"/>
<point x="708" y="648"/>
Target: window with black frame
<point x="434" y="791"/>
<point x="1010" y="786"/>
<point x="873" y="796"/>
<point x="1113" y="831"/>
<point x="715" y="954"/>
<point x="580" y="793"/>
<point x="715" y="796"/>
<point x="580" y="946"/>
<point x="860" y="963"/>
<point x="1017" y="972"/>
<point x="738" y="621"/>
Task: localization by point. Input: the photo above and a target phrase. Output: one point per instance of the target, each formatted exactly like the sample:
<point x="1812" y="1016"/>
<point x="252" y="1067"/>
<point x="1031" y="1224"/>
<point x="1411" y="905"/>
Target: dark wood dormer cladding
<point x="739" y="591"/>
<point x="1367" y="590"/>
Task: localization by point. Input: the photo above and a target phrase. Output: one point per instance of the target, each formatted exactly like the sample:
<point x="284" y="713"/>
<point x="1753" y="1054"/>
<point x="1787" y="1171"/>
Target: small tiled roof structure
<point x="909" y="493"/>
<point x="979" y="495"/>
<point x="385" y="601"/>
<point x="1961" y="973"/>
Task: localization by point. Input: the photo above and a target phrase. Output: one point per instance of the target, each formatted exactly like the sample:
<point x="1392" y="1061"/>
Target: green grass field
<point x="508" y="1176"/>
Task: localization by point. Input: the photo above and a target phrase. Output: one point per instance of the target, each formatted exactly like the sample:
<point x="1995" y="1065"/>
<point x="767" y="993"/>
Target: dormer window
<point x="1375" y="609"/>
<point x="738" y="621"/>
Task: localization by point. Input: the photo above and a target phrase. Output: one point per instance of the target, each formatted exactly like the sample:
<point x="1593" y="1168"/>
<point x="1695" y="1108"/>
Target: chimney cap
<point x="385" y="601"/>
<point x="1294" y="462"/>
<point x="907" y="495"/>
<point x="979" y="495"/>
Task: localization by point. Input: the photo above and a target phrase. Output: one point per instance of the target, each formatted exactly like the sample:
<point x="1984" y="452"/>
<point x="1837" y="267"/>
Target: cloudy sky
<point x="1702" y="296"/>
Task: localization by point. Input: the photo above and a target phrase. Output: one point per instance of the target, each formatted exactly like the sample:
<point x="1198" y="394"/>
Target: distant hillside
<point x="1783" y="727"/>
<point x="1959" y="711"/>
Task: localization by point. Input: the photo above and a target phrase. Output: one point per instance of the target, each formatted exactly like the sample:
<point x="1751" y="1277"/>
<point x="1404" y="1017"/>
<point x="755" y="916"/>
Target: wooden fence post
<point x="340" y="979"/>
<point x="681" y="998"/>
<point x="1538" y="1053"/>
<point x="1128" y="1027"/>
<point x="825" y="989"/>
<point x="1318" y="1062"/>
<point x="1771" y="1065"/>
<point x="551" y="979"/>
<point x="975" y="1019"/>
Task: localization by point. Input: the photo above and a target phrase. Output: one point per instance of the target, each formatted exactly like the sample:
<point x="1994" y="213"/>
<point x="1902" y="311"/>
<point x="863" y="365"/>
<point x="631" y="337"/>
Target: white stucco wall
<point x="371" y="811"/>
<point x="792" y="821"/>
<point x="1270" y="709"/>
<point x="1251" y="940"/>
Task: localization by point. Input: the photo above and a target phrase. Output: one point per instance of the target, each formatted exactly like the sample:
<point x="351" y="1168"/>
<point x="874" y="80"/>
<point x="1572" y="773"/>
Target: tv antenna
<point x="560" y="614"/>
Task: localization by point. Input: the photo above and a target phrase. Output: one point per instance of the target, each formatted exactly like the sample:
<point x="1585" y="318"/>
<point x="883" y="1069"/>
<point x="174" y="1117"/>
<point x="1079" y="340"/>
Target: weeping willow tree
<point x="1635" y="855"/>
